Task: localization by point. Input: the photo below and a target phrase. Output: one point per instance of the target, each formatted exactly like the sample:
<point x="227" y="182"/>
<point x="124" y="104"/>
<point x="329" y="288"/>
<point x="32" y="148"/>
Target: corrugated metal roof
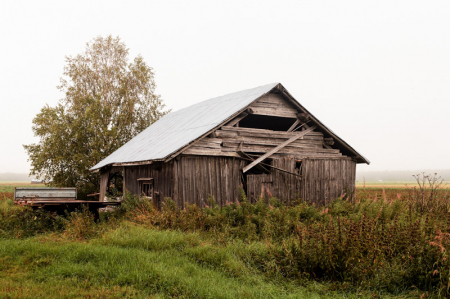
<point x="177" y="129"/>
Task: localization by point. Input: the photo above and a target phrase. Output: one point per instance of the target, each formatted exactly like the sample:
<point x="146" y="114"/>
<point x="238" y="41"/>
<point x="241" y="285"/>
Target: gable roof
<point x="178" y="129"/>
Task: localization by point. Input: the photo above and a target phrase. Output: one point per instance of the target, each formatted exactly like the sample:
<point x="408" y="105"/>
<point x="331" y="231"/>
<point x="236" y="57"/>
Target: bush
<point x="80" y="225"/>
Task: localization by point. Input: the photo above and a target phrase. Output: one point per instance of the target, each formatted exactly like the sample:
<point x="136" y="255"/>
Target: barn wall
<point x="326" y="179"/>
<point x="192" y="179"/>
<point x="284" y="186"/>
<point x="198" y="177"/>
<point x="322" y="180"/>
<point x="162" y="174"/>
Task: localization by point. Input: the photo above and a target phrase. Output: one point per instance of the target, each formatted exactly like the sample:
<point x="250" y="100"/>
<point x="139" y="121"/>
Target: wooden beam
<point x="295" y="124"/>
<point x="303" y="117"/>
<point x="133" y="163"/>
<point x="251" y="130"/>
<point x="241" y="153"/>
<point x="210" y="153"/>
<point x="329" y="141"/>
<point x="236" y="120"/>
<point x="325" y="145"/>
<point x="124" y="190"/>
<point x="268" y="154"/>
<point x="244" y="155"/>
<point x="280" y="112"/>
<point x="104" y="180"/>
<point x="228" y="147"/>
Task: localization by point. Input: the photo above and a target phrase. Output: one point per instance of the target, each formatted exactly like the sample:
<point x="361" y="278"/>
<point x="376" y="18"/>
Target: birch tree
<point x="107" y="100"/>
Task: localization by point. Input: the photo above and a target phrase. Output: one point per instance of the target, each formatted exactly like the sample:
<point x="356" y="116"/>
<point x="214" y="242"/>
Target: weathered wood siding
<point x="104" y="179"/>
<point x="326" y="179"/>
<point x="226" y="140"/>
<point x="284" y="186"/>
<point x="198" y="177"/>
<point x="162" y="174"/>
<point x="229" y="139"/>
<point x="274" y="105"/>
<point x="322" y="180"/>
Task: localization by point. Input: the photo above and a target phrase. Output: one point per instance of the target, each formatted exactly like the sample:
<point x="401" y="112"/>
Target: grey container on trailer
<point x="45" y="194"/>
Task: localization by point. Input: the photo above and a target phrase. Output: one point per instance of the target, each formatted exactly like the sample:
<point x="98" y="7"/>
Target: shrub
<point x="80" y="225"/>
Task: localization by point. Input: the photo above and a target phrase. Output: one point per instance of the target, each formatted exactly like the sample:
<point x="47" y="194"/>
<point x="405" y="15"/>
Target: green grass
<point x="136" y="262"/>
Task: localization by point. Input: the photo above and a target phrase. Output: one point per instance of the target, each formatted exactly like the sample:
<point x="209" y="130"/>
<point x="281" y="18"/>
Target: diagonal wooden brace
<point x="268" y="154"/>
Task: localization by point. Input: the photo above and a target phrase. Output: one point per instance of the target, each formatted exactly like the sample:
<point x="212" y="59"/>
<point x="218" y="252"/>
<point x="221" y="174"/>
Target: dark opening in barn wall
<point x="298" y="167"/>
<point x="115" y="184"/>
<point x="266" y="122"/>
<point x="258" y="174"/>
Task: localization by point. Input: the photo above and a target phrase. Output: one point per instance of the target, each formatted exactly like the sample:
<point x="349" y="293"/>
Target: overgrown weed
<point x="380" y="240"/>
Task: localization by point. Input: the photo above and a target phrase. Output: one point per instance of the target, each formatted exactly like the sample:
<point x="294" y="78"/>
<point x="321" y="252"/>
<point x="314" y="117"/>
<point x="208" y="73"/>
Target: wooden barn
<point x="261" y="140"/>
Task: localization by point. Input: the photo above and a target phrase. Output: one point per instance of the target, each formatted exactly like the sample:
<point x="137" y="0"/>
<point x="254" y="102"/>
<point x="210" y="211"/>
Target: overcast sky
<point x="376" y="72"/>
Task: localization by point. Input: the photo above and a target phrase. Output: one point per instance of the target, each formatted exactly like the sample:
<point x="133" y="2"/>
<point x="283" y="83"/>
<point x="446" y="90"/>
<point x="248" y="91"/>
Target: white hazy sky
<point x="376" y="72"/>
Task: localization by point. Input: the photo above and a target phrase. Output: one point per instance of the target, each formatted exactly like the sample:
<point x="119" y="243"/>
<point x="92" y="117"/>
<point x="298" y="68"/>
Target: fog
<point x="376" y="73"/>
<point x="401" y="175"/>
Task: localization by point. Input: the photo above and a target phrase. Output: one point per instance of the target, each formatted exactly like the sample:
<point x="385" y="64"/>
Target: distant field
<point x="394" y="184"/>
<point x="8" y="186"/>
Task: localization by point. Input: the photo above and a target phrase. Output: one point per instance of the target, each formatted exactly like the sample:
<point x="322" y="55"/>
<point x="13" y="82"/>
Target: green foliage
<point x="21" y="222"/>
<point x="379" y="242"/>
<point x="107" y="102"/>
<point x="80" y="225"/>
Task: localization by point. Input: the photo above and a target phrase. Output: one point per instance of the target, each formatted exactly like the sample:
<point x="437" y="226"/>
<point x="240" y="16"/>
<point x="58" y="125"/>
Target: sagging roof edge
<point x="279" y="87"/>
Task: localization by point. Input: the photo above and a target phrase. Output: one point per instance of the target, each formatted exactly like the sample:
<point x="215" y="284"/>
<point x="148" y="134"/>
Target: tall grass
<point x="383" y="241"/>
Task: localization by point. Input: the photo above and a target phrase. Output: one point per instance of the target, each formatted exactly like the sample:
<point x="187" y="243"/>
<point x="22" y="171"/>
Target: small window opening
<point x="298" y="167"/>
<point x="146" y="187"/>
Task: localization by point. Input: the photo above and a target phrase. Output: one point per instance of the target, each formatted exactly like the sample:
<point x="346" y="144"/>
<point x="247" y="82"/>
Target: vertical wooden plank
<point x="104" y="177"/>
<point x="175" y="184"/>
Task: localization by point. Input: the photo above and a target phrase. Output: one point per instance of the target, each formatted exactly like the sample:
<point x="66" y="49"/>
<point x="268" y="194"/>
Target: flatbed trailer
<point x="57" y="200"/>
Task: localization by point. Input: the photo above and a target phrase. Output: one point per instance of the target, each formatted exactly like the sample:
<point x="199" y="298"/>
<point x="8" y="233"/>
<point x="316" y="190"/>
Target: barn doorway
<point x="258" y="181"/>
<point x="114" y="188"/>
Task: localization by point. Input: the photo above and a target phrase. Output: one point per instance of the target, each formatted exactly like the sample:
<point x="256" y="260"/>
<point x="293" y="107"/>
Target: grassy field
<point x="132" y="261"/>
<point x="394" y="184"/>
<point x="8" y="186"/>
<point x="382" y="243"/>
